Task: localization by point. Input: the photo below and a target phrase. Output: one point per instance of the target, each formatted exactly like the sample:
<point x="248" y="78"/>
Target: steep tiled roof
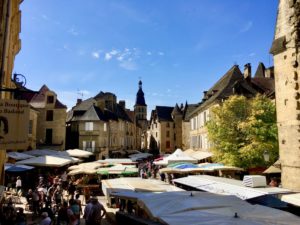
<point x="164" y="113"/>
<point x="231" y="82"/>
<point x="260" y="72"/>
<point x="188" y="109"/>
<point x="88" y="110"/>
<point x="93" y="114"/>
<point x="84" y="105"/>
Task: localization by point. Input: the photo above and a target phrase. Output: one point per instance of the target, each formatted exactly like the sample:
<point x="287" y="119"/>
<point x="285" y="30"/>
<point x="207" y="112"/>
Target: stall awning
<point x="19" y="155"/>
<point x="225" y="186"/>
<point x="47" y="161"/>
<point x="291" y="198"/>
<point x="200" y="155"/>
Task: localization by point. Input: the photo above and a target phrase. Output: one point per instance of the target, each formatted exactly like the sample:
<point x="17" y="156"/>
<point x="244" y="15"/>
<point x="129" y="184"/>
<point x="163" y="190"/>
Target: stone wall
<point x="285" y="49"/>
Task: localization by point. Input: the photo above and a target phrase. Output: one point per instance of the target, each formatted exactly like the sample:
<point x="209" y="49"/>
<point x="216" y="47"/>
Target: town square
<point x="149" y="112"/>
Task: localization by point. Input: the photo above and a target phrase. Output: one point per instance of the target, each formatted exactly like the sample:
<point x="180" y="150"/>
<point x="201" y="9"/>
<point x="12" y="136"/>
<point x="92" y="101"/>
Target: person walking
<point x="18" y="184"/>
<point x="97" y="212"/>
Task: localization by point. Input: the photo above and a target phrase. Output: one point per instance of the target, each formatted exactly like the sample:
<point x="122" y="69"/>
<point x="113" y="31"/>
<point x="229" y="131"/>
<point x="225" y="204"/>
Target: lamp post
<point x="266" y="155"/>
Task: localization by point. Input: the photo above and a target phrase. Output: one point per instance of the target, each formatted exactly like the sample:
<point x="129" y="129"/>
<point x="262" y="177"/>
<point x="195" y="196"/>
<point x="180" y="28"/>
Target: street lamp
<point x="266" y="155"/>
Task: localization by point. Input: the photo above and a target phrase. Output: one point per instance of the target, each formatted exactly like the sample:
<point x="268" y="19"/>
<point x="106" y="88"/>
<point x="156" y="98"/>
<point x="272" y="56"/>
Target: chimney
<point x="79" y="100"/>
<point x="247" y="72"/>
<point x="122" y="104"/>
<point x="269" y="73"/>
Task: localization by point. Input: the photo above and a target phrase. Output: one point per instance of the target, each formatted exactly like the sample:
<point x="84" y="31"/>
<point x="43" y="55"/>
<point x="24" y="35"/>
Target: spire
<point x="140" y="99"/>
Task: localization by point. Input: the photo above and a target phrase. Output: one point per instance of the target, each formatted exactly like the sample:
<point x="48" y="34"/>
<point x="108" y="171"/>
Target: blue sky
<point x="179" y="48"/>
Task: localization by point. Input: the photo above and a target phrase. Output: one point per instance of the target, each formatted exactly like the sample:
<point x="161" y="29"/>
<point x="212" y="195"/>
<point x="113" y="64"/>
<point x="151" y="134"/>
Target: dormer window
<point x="50" y="99"/>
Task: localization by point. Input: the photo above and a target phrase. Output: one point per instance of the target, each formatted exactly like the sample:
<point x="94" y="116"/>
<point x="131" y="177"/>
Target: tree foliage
<point x="242" y="129"/>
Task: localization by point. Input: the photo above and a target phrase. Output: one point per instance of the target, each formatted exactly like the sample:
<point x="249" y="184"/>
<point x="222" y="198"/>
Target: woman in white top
<point x="18" y="184"/>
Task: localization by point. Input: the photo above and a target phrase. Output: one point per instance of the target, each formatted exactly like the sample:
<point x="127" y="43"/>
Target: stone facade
<point x="51" y="119"/>
<point x="168" y="128"/>
<point x="103" y="126"/>
<point x="10" y="45"/>
<point x="233" y="82"/>
<point x="285" y="49"/>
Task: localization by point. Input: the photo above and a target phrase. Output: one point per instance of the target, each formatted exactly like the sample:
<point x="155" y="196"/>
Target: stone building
<point x="140" y="110"/>
<point x="10" y="45"/>
<point x="285" y="49"/>
<point x="168" y="127"/>
<point x="103" y="126"/>
<point x="232" y="83"/>
<point x="47" y="123"/>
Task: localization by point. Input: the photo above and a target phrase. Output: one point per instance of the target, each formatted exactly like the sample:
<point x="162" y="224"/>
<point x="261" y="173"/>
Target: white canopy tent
<point x="177" y="156"/>
<point x="79" y="153"/>
<point x="225" y="186"/>
<point x="177" y="208"/>
<point x="199" y="155"/>
<point x="47" y="161"/>
<point x="117" y="161"/>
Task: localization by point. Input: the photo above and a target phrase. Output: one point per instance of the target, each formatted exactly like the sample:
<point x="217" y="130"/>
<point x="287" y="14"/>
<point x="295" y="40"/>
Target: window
<point x="89" y="126"/>
<point x="89" y="145"/>
<point x="168" y="145"/>
<point x="174" y="125"/>
<point x="30" y="127"/>
<point x="174" y="137"/>
<point x="168" y="133"/>
<point x="105" y="126"/>
<point x="48" y="139"/>
<point x="155" y="134"/>
<point x="156" y="125"/>
<point x="50" y="99"/>
<point x="49" y="115"/>
<point x="168" y="124"/>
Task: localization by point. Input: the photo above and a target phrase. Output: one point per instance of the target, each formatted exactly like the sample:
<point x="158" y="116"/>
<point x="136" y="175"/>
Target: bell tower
<point x="140" y="110"/>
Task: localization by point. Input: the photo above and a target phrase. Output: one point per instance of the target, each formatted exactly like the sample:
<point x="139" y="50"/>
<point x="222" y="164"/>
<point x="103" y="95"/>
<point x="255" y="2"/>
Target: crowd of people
<point x="51" y="200"/>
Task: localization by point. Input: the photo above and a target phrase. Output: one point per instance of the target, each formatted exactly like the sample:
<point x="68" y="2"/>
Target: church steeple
<point x="140" y="99"/>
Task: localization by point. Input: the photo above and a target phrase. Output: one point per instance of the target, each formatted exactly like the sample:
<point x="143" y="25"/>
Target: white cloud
<point x="120" y="58"/>
<point x="149" y="53"/>
<point x="252" y="54"/>
<point x="114" y="52"/>
<point x="161" y="53"/>
<point x="247" y="26"/>
<point x="95" y="55"/>
<point x="169" y="90"/>
<point x="107" y="56"/>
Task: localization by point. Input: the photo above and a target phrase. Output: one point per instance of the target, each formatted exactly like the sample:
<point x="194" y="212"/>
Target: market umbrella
<point x="17" y="168"/>
<point x="19" y="155"/>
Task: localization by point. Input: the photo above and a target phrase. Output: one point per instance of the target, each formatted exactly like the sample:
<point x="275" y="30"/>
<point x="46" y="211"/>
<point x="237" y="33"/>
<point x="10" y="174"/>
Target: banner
<point x="14" y="122"/>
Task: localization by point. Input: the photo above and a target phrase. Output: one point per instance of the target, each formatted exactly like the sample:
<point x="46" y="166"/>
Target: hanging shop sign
<point x="14" y="122"/>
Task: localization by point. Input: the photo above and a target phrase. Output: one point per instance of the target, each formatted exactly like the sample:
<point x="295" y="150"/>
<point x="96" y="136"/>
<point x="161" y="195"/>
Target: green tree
<point x="242" y="129"/>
